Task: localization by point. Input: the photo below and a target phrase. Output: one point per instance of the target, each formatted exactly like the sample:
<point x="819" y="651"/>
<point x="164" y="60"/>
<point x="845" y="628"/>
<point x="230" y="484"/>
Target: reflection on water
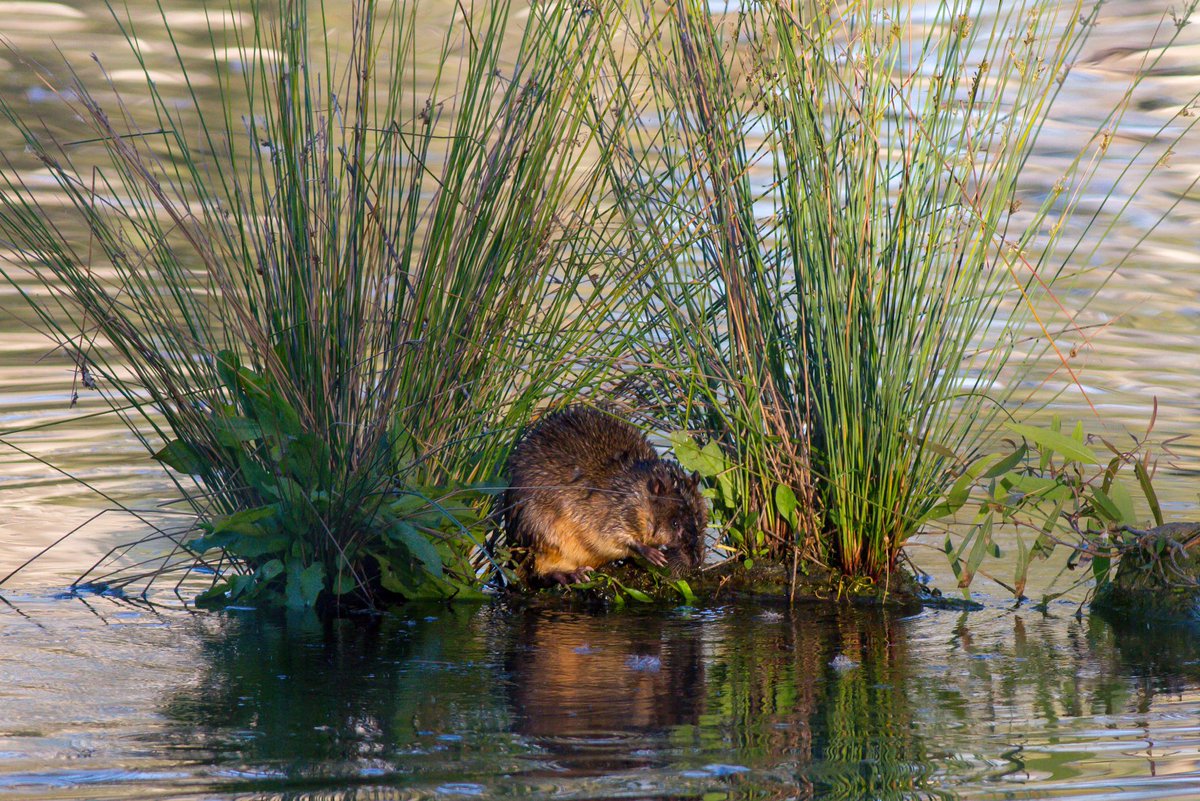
<point x="111" y="701"/>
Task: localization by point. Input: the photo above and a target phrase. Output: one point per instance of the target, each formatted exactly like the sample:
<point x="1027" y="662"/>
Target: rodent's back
<point x="576" y="445"/>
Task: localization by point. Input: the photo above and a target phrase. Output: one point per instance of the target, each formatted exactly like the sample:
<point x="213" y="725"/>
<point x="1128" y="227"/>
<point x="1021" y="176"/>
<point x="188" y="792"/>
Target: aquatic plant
<point x="829" y="193"/>
<point x="328" y="289"/>
<point x="1054" y="490"/>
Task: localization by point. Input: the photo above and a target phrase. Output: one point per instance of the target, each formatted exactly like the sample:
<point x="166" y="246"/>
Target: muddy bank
<point x="764" y="582"/>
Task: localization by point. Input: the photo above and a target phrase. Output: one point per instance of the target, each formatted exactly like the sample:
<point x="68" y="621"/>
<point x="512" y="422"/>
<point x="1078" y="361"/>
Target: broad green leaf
<point x="1104" y="506"/>
<point x="228" y="364"/>
<point x="960" y="490"/>
<point x="1047" y="440"/>
<point x="1029" y="485"/>
<point x="253" y="547"/>
<point x="270" y="570"/>
<point x="708" y="461"/>
<point x="417" y="545"/>
<point x="216" y="595"/>
<point x="728" y="497"/>
<point x="182" y="458"/>
<point x="307" y="459"/>
<point x="244" y="522"/>
<point x="1123" y="500"/>
<point x="687" y="452"/>
<point x="785" y="502"/>
<point x="713" y="459"/>
<point x="242" y="587"/>
<point x="638" y="595"/>
<point x="233" y="430"/>
<point x="979" y="549"/>
<point x="304" y="584"/>
<point x="275" y="415"/>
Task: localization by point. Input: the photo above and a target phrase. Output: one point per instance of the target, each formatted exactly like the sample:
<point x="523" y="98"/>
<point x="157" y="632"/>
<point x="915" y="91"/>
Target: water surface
<point x="102" y="699"/>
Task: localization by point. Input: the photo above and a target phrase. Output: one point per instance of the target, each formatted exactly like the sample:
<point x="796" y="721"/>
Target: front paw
<point x="651" y="555"/>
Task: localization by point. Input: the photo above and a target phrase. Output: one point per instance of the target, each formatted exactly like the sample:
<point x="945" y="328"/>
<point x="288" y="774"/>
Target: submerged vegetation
<point x="793" y="234"/>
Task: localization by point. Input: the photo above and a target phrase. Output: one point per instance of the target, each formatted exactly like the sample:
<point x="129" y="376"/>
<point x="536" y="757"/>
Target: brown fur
<point x="587" y="488"/>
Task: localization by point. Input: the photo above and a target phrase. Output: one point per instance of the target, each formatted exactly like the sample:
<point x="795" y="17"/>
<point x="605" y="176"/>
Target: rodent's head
<point x="679" y="513"/>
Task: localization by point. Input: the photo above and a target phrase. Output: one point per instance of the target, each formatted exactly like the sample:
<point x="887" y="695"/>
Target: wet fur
<point x="587" y="488"/>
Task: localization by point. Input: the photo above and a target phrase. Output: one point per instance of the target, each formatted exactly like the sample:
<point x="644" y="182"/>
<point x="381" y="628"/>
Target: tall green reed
<point x="829" y="191"/>
<point x="329" y="296"/>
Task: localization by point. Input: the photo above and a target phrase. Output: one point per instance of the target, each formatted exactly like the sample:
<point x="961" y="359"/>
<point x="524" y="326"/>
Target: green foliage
<point x="829" y="198"/>
<point x="1051" y="490"/>
<point x="726" y="485"/>
<point x="657" y="587"/>
<point x="327" y="299"/>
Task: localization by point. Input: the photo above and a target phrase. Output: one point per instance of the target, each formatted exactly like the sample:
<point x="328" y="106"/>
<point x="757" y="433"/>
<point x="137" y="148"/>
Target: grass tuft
<point x="327" y="298"/>
<point x="830" y="196"/>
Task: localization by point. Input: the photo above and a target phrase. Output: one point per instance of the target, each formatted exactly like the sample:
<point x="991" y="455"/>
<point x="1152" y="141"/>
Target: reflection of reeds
<point x="338" y="284"/>
<point x="832" y="198"/>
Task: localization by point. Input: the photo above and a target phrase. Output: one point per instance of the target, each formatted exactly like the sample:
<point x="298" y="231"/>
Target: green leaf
<point x="712" y="459"/>
<point x="216" y="595"/>
<point x="400" y="577"/>
<point x="343" y="583"/>
<point x="418" y="546"/>
<point x="304" y="584"/>
<point x="1143" y="477"/>
<point x="1104" y="506"/>
<point x="728" y="497"/>
<point x="1123" y="500"/>
<point x="244" y="522"/>
<point x="638" y="595"/>
<point x="687" y="452"/>
<point x="274" y="414"/>
<point x="242" y="587"/>
<point x="1030" y="485"/>
<point x="1007" y="463"/>
<point x="708" y="461"/>
<point x="255" y="547"/>
<point x="1021" y="573"/>
<point x="960" y="490"/>
<point x="785" y="502"/>
<point x="182" y="458"/>
<point x="685" y="590"/>
<point x="983" y="537"/>
<point x="228" y="364"/>
<point x="233" y="430"/>
<point x="306" y="458"/>
<point x="1047" y="440"/>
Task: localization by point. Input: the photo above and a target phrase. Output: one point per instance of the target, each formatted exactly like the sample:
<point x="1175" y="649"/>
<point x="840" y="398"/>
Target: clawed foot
<point x="564" y="578"/>
<point x="651" y="555"/>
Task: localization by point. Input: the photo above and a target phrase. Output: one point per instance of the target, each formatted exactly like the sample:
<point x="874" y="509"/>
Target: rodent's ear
<point x="694" y="479"/>
<point x="657" y="486"/>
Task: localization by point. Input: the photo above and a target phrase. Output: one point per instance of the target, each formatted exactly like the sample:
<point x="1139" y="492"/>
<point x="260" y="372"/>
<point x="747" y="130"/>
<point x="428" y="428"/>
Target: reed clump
<point x="327" y="292"/>
<point x="829" y="194"/>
